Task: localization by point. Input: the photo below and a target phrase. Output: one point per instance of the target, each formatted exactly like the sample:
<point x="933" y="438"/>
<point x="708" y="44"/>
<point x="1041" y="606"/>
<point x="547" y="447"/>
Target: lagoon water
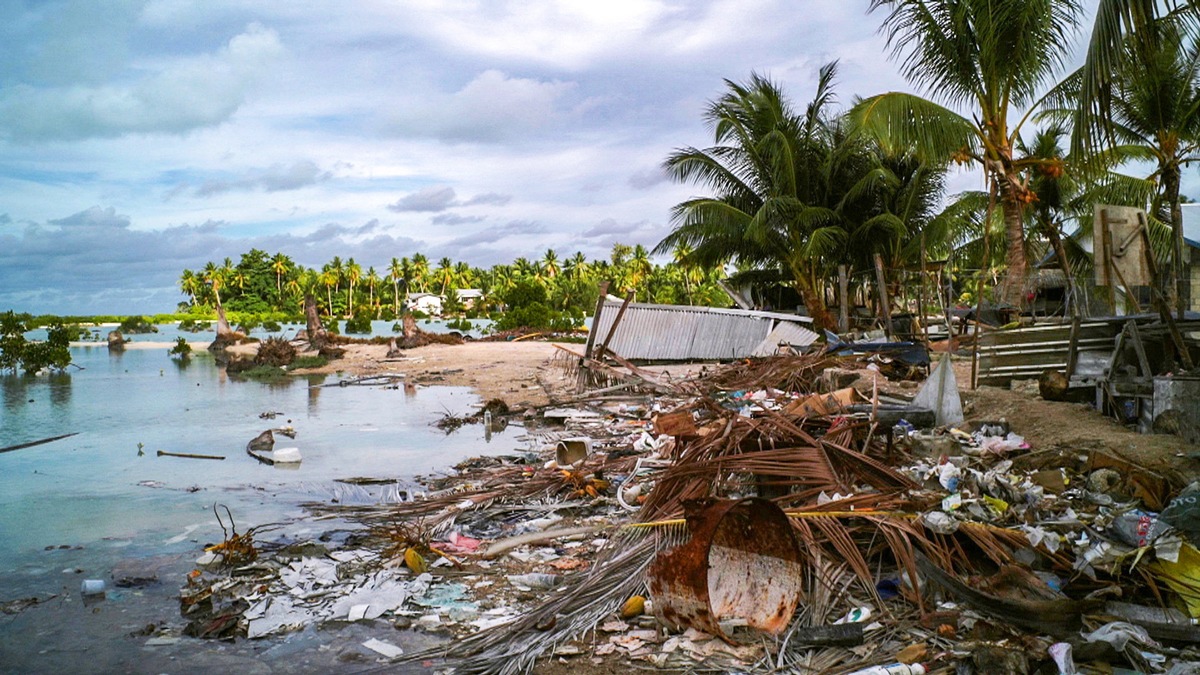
<point x="81" y="507"/>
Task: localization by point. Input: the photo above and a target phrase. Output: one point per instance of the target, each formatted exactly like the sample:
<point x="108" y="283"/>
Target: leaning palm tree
<point x="1153" y="115"/>
<point x="992" y="56"/>
<point x="777" y="180"/>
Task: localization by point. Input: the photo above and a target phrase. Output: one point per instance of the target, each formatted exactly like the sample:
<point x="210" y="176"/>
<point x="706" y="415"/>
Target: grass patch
<point x="308" y="362"/>
<point x="264" y="374"/>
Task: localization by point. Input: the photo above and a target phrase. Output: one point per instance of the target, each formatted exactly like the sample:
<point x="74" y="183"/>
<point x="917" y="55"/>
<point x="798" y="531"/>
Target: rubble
<point x="761" y="516"/>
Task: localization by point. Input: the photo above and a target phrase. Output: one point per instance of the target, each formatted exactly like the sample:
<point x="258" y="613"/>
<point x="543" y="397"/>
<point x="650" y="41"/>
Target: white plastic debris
<point x="387" y="649"/>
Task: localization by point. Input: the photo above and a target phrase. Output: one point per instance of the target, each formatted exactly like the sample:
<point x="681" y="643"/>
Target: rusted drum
<point x="742" y="563"/>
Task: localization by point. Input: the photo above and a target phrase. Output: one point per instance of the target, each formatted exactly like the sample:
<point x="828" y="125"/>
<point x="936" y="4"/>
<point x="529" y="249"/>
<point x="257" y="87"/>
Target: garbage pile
<point x="760" y="517"/>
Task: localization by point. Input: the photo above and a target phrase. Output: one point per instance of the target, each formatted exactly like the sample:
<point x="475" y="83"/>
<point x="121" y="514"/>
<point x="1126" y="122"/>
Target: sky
<point x="142" y="137"/>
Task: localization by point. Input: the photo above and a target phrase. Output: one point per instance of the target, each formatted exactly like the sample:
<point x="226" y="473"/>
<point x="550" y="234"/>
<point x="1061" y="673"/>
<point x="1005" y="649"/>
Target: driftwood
<point x="187" y="455"/>
<point x="505" y="545"/>
<point x="22" y="446"/>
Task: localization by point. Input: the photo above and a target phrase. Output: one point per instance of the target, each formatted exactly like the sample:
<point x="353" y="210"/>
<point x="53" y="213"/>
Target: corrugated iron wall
<point x="679" y="333"/>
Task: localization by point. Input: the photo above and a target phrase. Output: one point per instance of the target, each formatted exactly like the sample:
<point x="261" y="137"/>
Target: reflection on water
<point x="94" y="489"/>
<point x="60" y="389"/>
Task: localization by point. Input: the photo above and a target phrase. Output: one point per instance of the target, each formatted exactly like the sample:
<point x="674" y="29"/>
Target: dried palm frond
<point x="575" y="607"/>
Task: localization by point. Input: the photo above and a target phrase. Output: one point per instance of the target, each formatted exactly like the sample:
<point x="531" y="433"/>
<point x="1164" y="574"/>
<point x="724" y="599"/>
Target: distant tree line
<point x="263" y="284"/>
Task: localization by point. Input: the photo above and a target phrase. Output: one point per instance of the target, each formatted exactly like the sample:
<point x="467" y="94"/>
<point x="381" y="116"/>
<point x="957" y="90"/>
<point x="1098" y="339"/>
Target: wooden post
<point x="582" y="382"/>
<point x="991" y="209"/>
<point x="1073" y="347"/>
<point x="921" y="293"/>
<point x="1163" y="309"/>
<point x="885" y="308"/>
<point x="843" y="299"/>
<point x="599" y="353"/>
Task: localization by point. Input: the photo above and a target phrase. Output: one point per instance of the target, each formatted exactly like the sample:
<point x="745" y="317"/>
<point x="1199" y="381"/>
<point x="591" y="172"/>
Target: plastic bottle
<point x="893" y="669"/>
<point x="535" y="580"/>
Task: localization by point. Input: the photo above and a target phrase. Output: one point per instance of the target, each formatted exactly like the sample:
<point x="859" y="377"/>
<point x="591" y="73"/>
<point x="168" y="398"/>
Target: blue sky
<point x="138" y="138"/>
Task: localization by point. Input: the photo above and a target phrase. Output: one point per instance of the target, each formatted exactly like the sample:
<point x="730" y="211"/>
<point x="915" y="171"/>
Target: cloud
<point x="440" y="198"/>
<point x="455" y="219"/>
<point x="491" y="108"/>
<point x="173" y="98"/>
<point x="648" y="178"/>
<point x="491" y="235"/>
<point x="275" y="178"/>
<point x="609" y="227"/>
<point x="490" y="198"/>
<point x="430" y="199"/>
<point x="94" y="261"/>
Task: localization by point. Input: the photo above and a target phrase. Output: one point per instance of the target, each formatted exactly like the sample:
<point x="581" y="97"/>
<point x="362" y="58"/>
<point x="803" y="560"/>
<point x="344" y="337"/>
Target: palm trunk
<point x="1060" y="252"/>
<point x="814" y="300"/>
<point x="1011" y="291"/>
<point x="1178" y="290"/>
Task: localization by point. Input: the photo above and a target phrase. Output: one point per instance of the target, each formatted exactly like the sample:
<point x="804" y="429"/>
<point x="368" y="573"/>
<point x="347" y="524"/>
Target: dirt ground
<point x="512" y="371"/>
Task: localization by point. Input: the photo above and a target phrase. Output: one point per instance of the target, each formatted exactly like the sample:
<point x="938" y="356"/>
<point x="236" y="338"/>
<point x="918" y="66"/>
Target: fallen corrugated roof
<point x="649" y="332"/>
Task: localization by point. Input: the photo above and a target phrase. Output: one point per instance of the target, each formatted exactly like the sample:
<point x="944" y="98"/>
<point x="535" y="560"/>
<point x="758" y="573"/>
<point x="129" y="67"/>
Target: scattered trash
<point x="763" y="516"/>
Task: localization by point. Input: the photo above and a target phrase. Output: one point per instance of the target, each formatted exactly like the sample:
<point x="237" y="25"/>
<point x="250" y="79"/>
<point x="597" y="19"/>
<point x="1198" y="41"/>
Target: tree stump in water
<point x="116" y="341"/>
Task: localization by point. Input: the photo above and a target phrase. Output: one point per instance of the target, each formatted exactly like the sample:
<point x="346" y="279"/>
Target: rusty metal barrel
<point x="742" y="563"/>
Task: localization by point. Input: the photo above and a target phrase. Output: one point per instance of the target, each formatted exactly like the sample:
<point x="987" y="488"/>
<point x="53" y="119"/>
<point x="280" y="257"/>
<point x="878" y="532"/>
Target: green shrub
<point x="194" y="326"/>
<point x="460" y="324"/>
<point x="359" y="325"/>
<point x="271" y="326"/>
<point x="181" y="349"/>
<point x="535" y="316"/>
<point x="308" y="362"/>
<point x="264" y="373"/>
<point x="17" y="353"/>
<point x="137" y="324"/>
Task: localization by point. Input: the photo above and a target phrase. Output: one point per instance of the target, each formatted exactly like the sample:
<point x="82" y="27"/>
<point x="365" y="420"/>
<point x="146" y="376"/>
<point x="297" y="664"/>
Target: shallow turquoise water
<point x="94" y="490"/>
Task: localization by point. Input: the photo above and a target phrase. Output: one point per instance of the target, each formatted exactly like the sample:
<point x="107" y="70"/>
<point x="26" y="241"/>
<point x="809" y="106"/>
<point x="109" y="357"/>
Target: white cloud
<point x="490" y="108"/>
<point x="177" y="97"/>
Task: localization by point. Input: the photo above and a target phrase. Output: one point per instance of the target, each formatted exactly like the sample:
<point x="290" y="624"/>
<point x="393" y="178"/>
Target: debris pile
<point x="764" y="516"/>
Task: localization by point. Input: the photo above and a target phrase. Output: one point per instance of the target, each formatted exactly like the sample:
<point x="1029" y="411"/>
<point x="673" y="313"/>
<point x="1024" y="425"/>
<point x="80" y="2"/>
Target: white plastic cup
<point x="92" y="587"/>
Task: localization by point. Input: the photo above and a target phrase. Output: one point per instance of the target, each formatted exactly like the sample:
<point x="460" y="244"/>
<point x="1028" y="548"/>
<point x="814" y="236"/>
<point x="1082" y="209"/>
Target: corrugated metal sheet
<point x="1023" y="353"/>
<point x="679" y="333"/>
<point x="785" y="333"/>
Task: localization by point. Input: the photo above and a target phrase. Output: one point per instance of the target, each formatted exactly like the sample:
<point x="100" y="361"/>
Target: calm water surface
<point x="84" y="506"/>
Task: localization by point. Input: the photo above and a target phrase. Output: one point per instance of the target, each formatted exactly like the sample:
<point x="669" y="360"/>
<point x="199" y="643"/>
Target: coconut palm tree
<point x="395" y="274"/>
<point x="779" y="185"/>
<point x="992" y="56"/>
<point x="420" y="271"/>
<point x="353" y="273"/>
<point x="550" y="266"/>
<point x="576" y="266"/>
<point x="190" y="284"/>
<point x="280" y="264"/>
<point x="372" y="279"/>
<point x="444" y="274"/>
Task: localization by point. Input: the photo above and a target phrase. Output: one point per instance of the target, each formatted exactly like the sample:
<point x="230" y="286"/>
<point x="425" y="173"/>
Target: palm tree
<point x="550" y="265"/>
<point x="576" y="266"/>
<point x="329" y="279"/>
<point x="353" y="274"/>
<point x="190" y="284"/>
<point x="464" y="276"/>
<point x="991" y="55"/>
<point x="779" y="181"/>
<point x="640" y="267"/>
<point x="395" y="274"/>
<point x="420" y="270"/>
<point x="280" y="264"/>
<point x="1154" y="106"/>
<point x="444" y="273"/>
<point x="372" y="279"/>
